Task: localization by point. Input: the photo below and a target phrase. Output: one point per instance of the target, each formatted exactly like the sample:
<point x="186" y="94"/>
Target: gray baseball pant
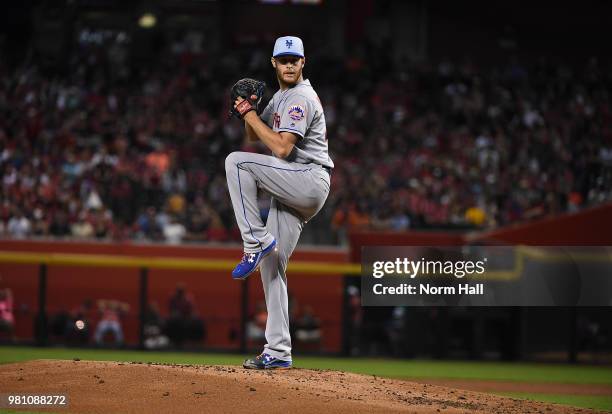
<point x="298" y="193"/>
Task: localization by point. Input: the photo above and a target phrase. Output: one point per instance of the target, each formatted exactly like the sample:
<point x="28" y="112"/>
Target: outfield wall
<point x="218" y="297"/>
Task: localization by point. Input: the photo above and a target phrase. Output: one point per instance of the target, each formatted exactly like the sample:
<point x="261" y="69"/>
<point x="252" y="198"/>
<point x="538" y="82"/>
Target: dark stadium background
<point x="409" y="88"/>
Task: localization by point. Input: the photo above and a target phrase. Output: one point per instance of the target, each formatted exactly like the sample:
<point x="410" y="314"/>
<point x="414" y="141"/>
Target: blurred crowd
<point x="109" y="147"/>
<point x="453" y="145"/>
<point x="305" y="326"/>
<point x="7" y="316"/>
<point x="103" y="323"/>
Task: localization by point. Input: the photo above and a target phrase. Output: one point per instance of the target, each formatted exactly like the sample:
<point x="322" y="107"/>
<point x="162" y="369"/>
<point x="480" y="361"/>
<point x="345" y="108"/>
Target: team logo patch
<point x="296" y="112"/>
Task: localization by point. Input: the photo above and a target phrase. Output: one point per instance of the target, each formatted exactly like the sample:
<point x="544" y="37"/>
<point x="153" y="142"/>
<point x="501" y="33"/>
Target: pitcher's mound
<point x="115" y="387"/>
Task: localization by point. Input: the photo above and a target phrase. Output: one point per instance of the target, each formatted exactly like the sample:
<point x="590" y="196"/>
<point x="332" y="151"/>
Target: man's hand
<point x="243" y="106"/>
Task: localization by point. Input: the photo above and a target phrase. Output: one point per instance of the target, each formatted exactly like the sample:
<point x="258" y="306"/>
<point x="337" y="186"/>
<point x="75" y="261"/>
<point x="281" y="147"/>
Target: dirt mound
<point x="529" y="387"/>
<point x="115" y="387"/>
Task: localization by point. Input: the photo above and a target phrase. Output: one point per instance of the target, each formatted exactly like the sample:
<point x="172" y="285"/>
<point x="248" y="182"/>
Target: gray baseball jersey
<point x="299" y="110"/>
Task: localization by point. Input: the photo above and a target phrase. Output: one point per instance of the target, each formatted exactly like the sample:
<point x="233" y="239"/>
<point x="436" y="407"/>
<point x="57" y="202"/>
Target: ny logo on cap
<point x="288" y="43"/>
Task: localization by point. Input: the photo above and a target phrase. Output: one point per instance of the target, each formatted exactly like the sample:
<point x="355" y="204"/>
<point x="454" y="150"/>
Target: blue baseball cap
<point x="288" y="46"/>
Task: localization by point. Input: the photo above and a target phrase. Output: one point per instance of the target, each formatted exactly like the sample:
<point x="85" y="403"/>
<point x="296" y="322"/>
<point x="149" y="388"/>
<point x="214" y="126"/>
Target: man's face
<point x="288" y="68"/>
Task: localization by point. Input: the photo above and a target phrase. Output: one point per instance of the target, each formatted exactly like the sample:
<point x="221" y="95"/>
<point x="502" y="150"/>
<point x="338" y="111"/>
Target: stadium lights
<point x="147" y="20"/>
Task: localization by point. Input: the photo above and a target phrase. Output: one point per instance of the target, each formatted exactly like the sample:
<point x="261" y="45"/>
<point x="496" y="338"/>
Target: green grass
<point x="394" y="368"/>
<point x="596" y="402"/>
<point x="501" y="371"/>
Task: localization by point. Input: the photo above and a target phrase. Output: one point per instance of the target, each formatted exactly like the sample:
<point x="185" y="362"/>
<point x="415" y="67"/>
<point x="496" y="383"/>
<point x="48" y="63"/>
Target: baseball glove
<point x="251" y="91"/>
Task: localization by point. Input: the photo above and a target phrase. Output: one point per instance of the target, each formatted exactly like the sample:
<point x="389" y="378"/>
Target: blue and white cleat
<point x="250" y="261"/>
<point x="266" y="361"/>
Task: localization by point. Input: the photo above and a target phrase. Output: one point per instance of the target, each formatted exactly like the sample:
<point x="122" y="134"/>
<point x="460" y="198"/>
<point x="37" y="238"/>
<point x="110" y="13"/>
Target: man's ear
<point x="303" y="61"/>
<point x="273" y="61"/>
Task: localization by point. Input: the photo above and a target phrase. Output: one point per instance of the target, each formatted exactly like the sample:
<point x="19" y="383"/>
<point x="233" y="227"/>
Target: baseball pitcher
<point x="292" y="126"/>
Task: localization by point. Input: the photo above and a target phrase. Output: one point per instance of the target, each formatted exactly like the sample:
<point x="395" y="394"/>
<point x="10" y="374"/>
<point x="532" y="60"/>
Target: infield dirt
<point x="118" y="387"/>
